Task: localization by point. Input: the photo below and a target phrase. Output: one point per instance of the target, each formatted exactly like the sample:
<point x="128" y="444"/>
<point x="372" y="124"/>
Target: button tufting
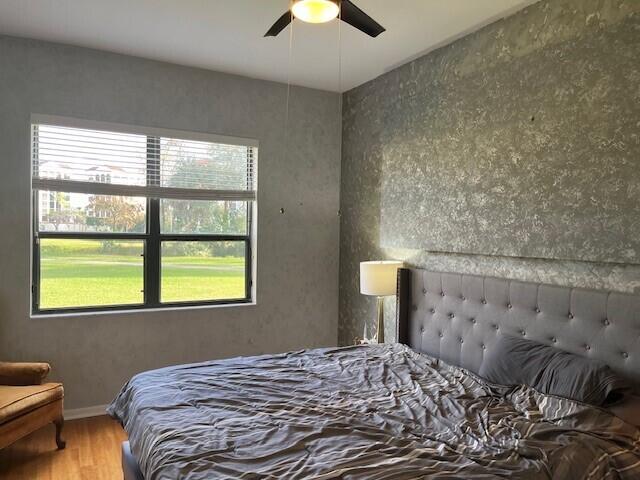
<point x="424" y="290"/>
<point x="432" y="310"/>
<point x="451" y="315"/>
<point x="484" y="347"/>
<point x="587" y="347"/>
<point x="496" y="327"/>
<point x="509" y="305"/>
<point x="571" y="316"/>
<point x="462" y="298"/>
<point x="461" y="340"/>
<point x="606" y="321"/>
<point x="421" y="329"/>
<point x="554" y="339"/>
<point x="484" y="302"/>
<point x="441" y="334"/>
<point x="625" y="354"/>
<point x="442" y="294"/>
<point x="474" y="321"/>
<point x="523" y="333"/>
<point x="537" y="310"/>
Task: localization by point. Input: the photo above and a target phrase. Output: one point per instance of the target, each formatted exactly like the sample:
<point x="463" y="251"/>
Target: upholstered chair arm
<point x="13" y="373"/>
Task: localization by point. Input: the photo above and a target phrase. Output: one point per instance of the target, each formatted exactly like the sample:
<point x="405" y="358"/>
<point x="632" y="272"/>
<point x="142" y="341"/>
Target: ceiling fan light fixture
<point x="315" y="11"/>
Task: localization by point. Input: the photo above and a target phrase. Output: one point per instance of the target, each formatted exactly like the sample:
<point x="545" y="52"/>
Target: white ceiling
<point x="227" y="35"/>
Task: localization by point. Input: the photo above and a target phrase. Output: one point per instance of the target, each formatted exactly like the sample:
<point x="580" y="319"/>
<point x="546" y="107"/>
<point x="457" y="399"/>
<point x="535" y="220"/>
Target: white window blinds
<point x="139" y="162"/>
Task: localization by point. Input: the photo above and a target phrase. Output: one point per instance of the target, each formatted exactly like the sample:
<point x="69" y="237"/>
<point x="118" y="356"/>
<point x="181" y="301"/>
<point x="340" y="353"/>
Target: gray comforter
<point x="370" y="412"/>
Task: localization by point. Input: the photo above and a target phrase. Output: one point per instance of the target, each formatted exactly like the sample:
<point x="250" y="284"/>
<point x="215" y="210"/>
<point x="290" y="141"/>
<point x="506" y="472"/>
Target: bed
<point x="412" y="409"/>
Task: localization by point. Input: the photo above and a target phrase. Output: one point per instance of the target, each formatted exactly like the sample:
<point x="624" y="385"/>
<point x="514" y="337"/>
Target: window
<point x="127" y="217"/>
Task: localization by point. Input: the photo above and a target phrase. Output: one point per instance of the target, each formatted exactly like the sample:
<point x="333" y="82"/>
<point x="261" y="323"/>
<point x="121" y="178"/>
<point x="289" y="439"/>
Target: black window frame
<point x="152" y="244"/>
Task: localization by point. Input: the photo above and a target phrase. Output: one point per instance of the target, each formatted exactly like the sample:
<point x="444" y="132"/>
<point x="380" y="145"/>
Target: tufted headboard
<point x="458" y="318"/>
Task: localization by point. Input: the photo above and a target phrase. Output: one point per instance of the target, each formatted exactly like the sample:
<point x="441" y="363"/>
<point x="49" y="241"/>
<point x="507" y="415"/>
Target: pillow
<point x="516" y="361"/>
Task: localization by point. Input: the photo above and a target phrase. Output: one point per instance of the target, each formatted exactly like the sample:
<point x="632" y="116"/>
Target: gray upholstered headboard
<point x="459" y="317"/>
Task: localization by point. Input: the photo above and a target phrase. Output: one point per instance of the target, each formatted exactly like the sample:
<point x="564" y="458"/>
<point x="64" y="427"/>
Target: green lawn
<point x="76" y="273"/>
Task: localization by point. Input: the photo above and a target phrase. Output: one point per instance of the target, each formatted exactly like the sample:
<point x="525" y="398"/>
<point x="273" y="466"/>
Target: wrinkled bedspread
<point x="366" y="412"/>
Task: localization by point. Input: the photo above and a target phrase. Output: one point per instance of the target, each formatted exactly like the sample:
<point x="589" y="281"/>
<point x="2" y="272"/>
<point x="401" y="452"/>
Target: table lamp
<point x="379" y="278"/>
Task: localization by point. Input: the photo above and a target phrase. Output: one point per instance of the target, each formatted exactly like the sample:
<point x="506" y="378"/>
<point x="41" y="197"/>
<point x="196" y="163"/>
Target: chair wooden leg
<point x="59" y="441"/>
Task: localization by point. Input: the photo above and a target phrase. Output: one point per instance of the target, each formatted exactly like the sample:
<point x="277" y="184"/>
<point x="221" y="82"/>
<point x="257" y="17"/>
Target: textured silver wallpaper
<point x="297" y="252"/>
<point x="512" y="152"/>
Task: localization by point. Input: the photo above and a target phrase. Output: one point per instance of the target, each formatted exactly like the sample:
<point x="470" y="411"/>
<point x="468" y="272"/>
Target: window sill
<point x="138" y="311"/>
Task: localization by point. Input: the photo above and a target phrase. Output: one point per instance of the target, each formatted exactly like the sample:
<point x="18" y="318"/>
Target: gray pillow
<point x="516" y="361"/>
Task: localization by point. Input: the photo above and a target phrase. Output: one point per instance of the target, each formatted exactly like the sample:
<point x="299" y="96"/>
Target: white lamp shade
<point x="379" y="278"/>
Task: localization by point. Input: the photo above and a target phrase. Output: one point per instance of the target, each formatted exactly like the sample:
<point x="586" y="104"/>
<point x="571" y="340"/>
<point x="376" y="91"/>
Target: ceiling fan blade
<point x="355" y="17"/>
<point x="280" y="24"/>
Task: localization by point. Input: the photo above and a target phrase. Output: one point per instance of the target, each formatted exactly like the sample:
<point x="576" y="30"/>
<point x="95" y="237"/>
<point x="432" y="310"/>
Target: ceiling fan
<point x="321" y="11"/>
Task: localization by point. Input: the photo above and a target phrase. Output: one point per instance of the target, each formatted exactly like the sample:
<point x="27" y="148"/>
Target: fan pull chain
<point x="286" y="114"/>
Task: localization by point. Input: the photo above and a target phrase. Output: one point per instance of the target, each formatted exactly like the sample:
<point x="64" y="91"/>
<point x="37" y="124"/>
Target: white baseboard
<point x="85" y="412"/>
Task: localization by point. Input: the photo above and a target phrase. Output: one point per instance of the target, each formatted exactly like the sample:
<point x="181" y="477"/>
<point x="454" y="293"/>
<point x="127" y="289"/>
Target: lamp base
<point x="380" y="329"/>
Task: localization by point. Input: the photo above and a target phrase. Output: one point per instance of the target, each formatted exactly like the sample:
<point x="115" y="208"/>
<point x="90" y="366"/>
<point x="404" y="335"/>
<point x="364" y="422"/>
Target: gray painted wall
<point x="297" y="278"/>
<point x="513" y="152"/>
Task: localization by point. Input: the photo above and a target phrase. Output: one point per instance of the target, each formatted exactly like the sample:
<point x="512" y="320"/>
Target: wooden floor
<point x="92" y="453"/>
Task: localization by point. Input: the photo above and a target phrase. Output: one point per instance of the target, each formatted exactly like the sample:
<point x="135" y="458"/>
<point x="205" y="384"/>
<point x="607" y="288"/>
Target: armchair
<point x="26" y="403"/>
